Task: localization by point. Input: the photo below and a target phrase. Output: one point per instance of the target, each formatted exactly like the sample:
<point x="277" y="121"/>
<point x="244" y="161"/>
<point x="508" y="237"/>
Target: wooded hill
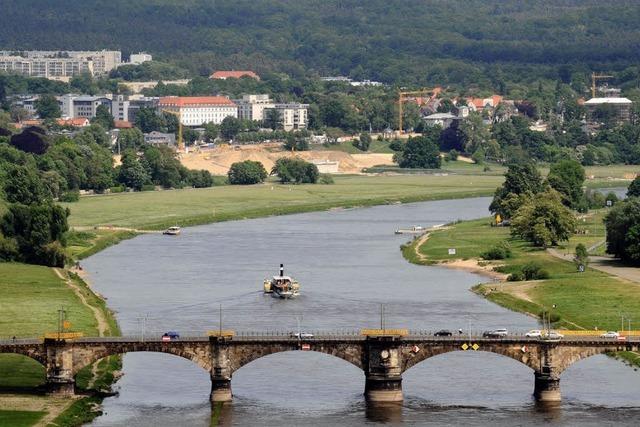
<point x="408" y="42"/>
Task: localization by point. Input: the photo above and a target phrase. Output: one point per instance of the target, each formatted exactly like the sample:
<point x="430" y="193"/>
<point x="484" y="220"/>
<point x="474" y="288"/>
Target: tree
<point x="295" y="170"/>
<point x="521" y="179"/>
<point x="47" y="107"/>
<point x="94" y="134"/>
<point x="130" y="139"/>
<point x="567" y="177"/>
<point x="271" y="118"/>
<point x="543" y="220"/>
<point x="162" y="164"/>
<point x="211" y="132"/>
<point x="230" y="127"/>
<point x="246" y="173"/>
<point x="38" y="232"/>
<point x="364" y="142"/>
<point x="23" y="185"/>
<point x="31" y="140"/>
<point x="132" y="173"/>
<point x="103" y="117"/>
<point x="581" y="258"/>
<point x="634" y="188"/>
<point x="623" y="230"/>
<point x="147" y="120"/>
<point x="420" y="152"/>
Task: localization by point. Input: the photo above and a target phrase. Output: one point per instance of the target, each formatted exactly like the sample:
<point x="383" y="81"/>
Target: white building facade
<point x="59" y="64"/>
<point x="199" y="110"/>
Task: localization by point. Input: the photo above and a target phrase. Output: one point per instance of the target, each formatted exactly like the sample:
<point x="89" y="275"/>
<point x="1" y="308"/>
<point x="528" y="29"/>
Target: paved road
<point x="605" y="264"/>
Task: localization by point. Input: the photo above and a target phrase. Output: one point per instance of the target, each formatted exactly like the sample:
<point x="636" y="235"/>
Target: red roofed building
<point x="224" y="75"/>
<point x="122" y="124"/>
<point x="198" y="110"/>
<point x="76" y="122"/>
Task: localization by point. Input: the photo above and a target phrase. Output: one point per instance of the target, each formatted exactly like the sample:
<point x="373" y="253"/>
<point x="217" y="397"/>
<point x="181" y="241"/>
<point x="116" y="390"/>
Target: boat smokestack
<point x="281" y="270"/>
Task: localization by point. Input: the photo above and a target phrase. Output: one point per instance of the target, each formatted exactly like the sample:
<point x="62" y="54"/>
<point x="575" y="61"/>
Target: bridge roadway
<point x="382" y="358"/>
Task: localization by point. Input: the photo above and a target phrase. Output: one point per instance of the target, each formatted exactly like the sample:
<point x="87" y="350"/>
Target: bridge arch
<point x="564" y="357"/>
<point x="244" y="354"/>
<point x="196" y="353"/>
<point x="415" y="354"/>
<point x="29" y="353"/>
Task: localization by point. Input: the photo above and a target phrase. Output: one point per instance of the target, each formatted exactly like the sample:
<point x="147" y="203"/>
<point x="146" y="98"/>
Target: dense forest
<point x="466" y="42"/>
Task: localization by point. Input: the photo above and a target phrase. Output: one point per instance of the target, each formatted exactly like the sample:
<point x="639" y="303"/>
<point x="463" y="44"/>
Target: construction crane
<point x="594" y="78"/>
<point x="178" y="114"/>
<point x="402" y="98"/>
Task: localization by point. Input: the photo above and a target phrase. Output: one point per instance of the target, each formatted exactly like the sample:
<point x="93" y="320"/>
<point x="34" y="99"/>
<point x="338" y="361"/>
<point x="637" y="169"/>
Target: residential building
<point x="78" y="122"/>
<point x="620" y="108"/>
<point x="139" y="58"/>
<point x="444" y="120"/>
<point x="293" y="116"/>
<point x="224" y="75"/>
<point x="158" y="138"/>
<point x="251" y="107"/>
<point x="120" y="107"/>
<point x="136" y="102"/>
<point x="198" y="110"/>
<point x="137" y="87"/>
<point x="86" y="106"/>
<point x="59" y="64"/>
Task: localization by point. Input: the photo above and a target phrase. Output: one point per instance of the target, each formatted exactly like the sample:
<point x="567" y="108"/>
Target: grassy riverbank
<point x="39" y="292"/>
<point x="583" y="300"/>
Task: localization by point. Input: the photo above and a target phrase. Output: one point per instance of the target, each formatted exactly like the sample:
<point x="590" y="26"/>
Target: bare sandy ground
<point x="219" y="160"/>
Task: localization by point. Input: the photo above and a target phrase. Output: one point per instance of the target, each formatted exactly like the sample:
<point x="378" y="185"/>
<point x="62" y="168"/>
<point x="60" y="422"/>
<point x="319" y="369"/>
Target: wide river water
<point x="348" y="263"/>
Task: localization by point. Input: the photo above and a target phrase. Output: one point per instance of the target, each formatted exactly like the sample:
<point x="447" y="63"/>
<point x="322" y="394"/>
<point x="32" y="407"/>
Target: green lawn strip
<point x="83" y="244"/>
<point x="159" y="209"/>
<point x="19" y="418"/>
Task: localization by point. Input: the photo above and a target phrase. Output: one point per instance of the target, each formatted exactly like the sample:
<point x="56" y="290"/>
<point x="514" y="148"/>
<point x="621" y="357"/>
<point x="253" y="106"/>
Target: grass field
<point x="587" y="300"/>
<point x="152" y="210"/>
<point x="19" y="418"/>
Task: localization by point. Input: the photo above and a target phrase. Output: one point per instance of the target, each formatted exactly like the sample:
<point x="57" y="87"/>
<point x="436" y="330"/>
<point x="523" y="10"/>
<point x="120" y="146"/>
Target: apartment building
<point x="293" y="116"/>
<point x="59" y="64"/>
<point x="251" y="107"/>
<point x="198" y="110"/>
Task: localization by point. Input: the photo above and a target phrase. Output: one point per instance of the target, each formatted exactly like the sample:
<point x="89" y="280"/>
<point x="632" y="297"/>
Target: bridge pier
<point x="59" y="368"/>
<point x="383" y="371"/>
<point x="220" y="390"/>
<point x="547" y="388"/>
<point x="221" y="370"/>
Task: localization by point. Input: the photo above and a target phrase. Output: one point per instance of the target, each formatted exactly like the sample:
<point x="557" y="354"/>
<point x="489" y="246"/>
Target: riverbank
<point x="40" y="292"/>
<point x="590" y="300"/>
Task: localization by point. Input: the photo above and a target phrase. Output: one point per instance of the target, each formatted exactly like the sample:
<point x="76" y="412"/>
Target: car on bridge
<point x="610" y="334"/>
<point x="534" y="333"/>
<point x="443" y="333"/>
<point x="552" y="335"/>
<point x="301" y="335"/>
<point x="170" y="336"/>
<point x="496" y="333"/>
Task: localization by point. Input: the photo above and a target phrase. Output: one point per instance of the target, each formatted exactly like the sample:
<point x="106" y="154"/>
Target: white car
<point x="552" y="335"/>
<point x="301" y="335"/>
<point x="610" y="334"/>
<point x="535" y="333"/>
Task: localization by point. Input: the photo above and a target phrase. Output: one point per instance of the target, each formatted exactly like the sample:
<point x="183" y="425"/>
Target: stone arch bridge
<point x="382" y="358"/>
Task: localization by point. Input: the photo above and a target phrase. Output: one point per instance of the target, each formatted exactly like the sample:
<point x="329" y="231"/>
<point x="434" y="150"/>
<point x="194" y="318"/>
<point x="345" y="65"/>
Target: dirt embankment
<point x="219" y="160"/>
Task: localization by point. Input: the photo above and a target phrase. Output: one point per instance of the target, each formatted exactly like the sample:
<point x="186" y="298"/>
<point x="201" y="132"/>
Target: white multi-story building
<point x="59" y="64"/>
<point x="293" y="116"/>
<point x="251" y="107"/>
<point x="139" y="58"/>
<point x="198" y="110"/>
<point x="86" y="106"/>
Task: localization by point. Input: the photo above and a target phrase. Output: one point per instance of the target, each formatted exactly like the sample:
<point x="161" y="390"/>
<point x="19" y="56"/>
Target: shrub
<point x="148" y="187"/>
<point x="325" y="178"/>
<point x="551" y="317"/>
<point x="8" y="249"/>
<point x="70" y="196"/>
<point x="246" y="173"/>
<point x="500" y="251"/>
<point x="52" y="255"/>
<point x="118" y="189"/>
<point x="516" y="277"/>
<point x="533" y="271"/>
<point x="453" y="155"/>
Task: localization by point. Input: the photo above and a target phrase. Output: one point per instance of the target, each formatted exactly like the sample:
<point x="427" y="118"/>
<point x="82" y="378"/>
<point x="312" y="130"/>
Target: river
<point x="349" y="263"/>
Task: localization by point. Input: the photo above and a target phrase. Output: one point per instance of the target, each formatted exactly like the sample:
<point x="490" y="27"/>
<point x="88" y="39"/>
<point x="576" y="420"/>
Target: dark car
<point x="496" y="333"/>
<point x="169" y="336"/>
<point x="443" y="333"/>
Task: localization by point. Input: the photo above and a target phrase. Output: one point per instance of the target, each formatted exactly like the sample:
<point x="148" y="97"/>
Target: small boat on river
<point x="416" y="229"/>
<point x="172" y="231"/>
<point x="282" y="286"/>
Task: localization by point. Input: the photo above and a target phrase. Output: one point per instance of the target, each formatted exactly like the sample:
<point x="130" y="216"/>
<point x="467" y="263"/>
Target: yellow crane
<point x="178" y="114"/>
<point x="402" y="98"/>
<point x="594" y="78"/>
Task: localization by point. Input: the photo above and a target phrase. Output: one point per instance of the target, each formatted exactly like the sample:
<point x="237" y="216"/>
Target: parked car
<point x="496" y="333"/>
<point x="610" y="334"/>
<point x="170" y="336"/>
<point x="443" y="333"/>
<point x="301" y="335"/>
<point x="534" y="333"/>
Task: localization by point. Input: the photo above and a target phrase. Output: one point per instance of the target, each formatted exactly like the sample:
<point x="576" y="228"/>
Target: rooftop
<point x="182" y="101"/>
<point x="595" y="101"/>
